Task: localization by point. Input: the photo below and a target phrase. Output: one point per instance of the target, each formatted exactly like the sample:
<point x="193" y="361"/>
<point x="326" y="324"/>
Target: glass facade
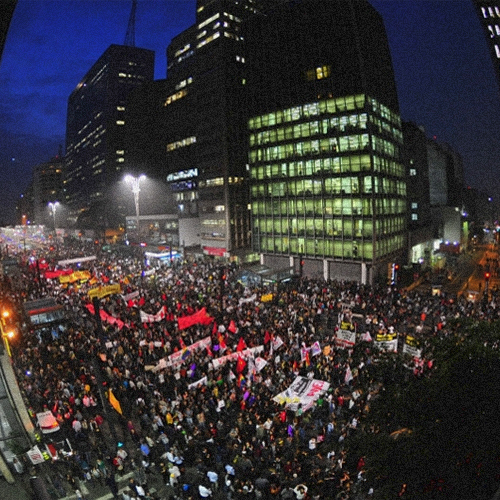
<point x="327" y="180"/>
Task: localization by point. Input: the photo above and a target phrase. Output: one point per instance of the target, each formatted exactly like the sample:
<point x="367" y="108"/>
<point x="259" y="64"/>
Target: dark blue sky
<point x="444" y="74"/>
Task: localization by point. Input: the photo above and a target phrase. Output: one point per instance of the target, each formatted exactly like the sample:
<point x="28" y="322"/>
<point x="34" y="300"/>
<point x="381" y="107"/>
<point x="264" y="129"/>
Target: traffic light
<point x="487" y="276"/>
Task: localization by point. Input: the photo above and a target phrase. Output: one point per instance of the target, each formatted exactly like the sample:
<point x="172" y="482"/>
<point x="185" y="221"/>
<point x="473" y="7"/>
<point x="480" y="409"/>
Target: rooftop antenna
<point x="130" y="36"/>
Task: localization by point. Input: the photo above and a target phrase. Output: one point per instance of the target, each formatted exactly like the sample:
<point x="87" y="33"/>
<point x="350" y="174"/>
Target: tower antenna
<point x="130" y="36"/>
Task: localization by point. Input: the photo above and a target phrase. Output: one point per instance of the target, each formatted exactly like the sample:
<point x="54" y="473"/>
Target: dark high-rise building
<point x="489" y="15"/>
<point x="204" y="124"/>
<point x="95" y="138"/>
<point x="328" y="187"/>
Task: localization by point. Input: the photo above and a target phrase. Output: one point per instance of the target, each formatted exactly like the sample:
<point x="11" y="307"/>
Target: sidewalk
<point x="21" y="490"/>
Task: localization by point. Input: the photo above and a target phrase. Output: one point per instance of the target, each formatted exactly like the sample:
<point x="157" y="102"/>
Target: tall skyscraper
<point x="95" y="138"/>
<point x="328" y="187"/>
<point x="204" y="123"/>
<point x="489" y="15"/>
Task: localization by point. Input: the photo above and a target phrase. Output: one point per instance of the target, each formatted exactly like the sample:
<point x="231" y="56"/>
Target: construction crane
<point x="130" y="36"/>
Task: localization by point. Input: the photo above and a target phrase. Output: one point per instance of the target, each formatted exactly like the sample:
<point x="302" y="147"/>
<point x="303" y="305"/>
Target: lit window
<point x="413" y="172"/>
<point x="120" y="108"/>
<point x="209" y="39"/>
<point x="209" y="20"/>
<point x="175" y="97"/>
<point x="319" y="73"/>
<point x="120" y="122"/>
<point x="219" y="208"/>
<point x="184" y="49"/>
<point x="414" y="206"/>
<point x="414" y="216"/>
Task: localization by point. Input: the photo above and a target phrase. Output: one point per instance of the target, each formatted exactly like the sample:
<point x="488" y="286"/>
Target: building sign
<point x="183" y="174"/>
<point x="218" y="252"/>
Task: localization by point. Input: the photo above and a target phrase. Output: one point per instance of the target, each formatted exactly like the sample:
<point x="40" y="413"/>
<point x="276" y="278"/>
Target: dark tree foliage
<point x="438" y="434"/>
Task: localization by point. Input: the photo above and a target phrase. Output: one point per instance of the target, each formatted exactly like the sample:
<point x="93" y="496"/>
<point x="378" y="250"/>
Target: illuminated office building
<point x="328" y="187"/>
<point x="489" y="15"/>
<point x="95" y="138"/>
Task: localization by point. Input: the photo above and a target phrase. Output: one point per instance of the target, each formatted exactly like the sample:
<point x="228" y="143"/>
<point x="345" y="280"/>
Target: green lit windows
<point x="277" y="189"/>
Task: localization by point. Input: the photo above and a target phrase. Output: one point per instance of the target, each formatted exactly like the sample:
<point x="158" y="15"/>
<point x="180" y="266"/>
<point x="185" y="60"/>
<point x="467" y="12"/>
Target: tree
<point x="439" y="434"/>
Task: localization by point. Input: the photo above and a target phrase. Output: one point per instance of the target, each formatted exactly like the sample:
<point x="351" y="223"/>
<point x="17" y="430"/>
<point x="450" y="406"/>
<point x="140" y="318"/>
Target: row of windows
<point x="493" y="11"/>
<point x="494" y="30"/>
<point x="331" y="248"/>
<point x="182" y="50"/>
<point x="184" y="83"/>
<point x="331" y="207"/>
<point x="307" y="129"/>
<point x="336" y="165"/>
<point x="337" y="227"/>
<point x="346" y="144"/>
<point x="330" y="106"/>
<point x="175" y="97"/>
<point x="209" y="39"/>
<point x="330" y="186"/>
<point x="213" y="222"/>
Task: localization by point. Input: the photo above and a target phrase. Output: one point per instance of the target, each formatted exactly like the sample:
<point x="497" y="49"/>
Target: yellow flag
<point x="114" y="402"/>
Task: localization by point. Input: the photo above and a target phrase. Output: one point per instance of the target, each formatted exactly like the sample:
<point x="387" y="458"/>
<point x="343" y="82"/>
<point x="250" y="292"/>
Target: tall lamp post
<point x="135" y="184"/>
<point x="53" y="207"/>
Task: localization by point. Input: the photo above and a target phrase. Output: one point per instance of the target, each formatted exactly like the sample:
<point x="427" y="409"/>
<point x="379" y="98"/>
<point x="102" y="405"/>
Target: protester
<point x="197" y="366"/>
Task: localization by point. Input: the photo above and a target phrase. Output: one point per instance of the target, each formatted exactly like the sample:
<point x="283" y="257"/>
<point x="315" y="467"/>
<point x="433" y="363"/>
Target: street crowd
<point x="197" y="400"/>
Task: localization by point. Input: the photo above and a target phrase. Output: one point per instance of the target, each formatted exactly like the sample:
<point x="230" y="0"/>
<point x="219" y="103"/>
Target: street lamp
<point x="134" y="183"/>
<point x="53" y="207"/>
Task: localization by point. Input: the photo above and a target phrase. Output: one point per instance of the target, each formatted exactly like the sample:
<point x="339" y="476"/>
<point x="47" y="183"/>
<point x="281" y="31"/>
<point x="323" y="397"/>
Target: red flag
<point x="240" y="365"/>
<point x="308" y="359"/>
<point x="232" y="327"/>
<point x="209" y="351"/>
<point x="267" y="337"/>
<point x="214" y="329"/>
<point x="241" y="345"/>
<point x="222" y="343"/>
<point x="181" y="342"/>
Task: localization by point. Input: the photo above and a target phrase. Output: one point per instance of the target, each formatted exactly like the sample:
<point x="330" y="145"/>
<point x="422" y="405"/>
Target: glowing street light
<point x="134" y="183"/>
<point x="53" y="207"/>
<point x="7" y="331"/>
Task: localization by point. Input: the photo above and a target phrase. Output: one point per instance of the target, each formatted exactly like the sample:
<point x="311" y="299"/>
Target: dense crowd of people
<point x="198" y="400"/>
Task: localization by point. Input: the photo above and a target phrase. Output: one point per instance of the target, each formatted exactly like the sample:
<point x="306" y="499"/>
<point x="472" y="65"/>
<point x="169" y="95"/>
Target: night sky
<point x="444" y="75"/>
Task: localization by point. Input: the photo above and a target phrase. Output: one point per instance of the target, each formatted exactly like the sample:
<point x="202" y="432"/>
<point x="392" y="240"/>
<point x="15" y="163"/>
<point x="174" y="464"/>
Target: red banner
<point x="201" y="317"/>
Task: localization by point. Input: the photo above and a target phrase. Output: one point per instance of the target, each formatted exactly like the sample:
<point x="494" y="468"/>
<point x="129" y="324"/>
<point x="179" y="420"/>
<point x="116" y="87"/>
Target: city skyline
<point x="446" y="82"/>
